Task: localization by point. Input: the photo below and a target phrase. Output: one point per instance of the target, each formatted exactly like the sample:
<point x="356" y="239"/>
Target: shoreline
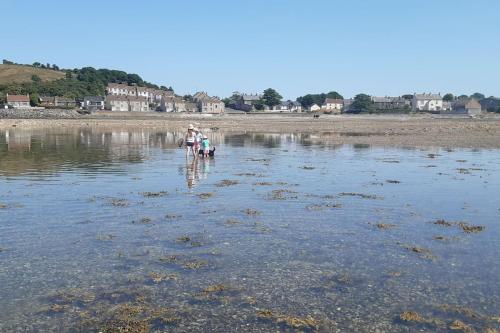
<point x="381" y="130"/>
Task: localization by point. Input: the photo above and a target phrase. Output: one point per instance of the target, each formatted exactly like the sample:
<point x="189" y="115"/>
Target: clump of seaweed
<point x="263" y="184"/>
<point x="144" y="220"/>
<point x="226" y="182"/>
<point x="104" y="238"/>
<point x="194" y="264"/>
<point x="385" y="226"/>
<point x="119" y="202"/>
<point x="160" y="277"/>
<point x="252" y="212"/>
<point x="415" y="317"/>
<point x="206" y="195"/>
<point x="173" y="216"/>
<point x="282" y="194"/>
<point x="3" y="206"/>
<point x="183" y="239"/>
<point x="361" y="195"/>
<point x="467" y="228"/>
<point x="391" y="181"/>
<point x="458" y="325"/>
<point x="317" y="207"/>
<point x="306" y="167"/>
<point x="443" y="222"/>
<point x="305" y="323"/>
<point x="232" y="222"/>
<point x="422" y="251"/>
<point x="154" y="194"/>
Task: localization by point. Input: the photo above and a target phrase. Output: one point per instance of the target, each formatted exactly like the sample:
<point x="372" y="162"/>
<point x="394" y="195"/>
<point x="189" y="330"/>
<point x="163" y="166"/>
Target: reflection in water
<point x="46" y="151"/>
<point x="287" y="232"/>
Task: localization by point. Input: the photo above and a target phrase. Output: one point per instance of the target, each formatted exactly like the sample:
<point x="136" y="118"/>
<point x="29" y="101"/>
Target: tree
<point x="362" y="103"/>
<point x="69" y="75"/>
<point x="259" y="105"/>
<point x="463" y="97"/>
<point x="334" y="94"/>
<point x="55" y="67"/>
<point x="34" y="99"/>
<point x="36" y="64"/>
<point x="48" y="65"/>
<point x="448" y="97"/>
<point x="408" y="97"/>
<point x="271" y="97"/>
<point x="7" y="62"/>
<point x="477" y="96"/>
<point x="306" y="101"/>
<point x="35" y="78"/>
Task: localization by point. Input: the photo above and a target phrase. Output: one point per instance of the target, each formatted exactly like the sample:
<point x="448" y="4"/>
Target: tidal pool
<point x="113" y="231"/>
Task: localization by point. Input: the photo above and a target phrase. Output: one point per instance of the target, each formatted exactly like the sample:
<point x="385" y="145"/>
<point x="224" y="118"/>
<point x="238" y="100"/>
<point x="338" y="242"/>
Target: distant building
<point x="138" y="104"/>
<point x="93" y="103"/>
<point x="427" y="102"/>
<point x="390" y="103"/>
<point x="313" y="108"/>
<point x="207" y="104"/>
<point x="18" y="101"/>
<point x="167" y="104"/>
<point x="246" y="102"/>
<point x="121" y="89"/>
<point x="333" y="105"/>
<point x="117" y="103"/>
<point x="191" y="107"/>
<point x="282" y="107"/>
<point x="57" y="101"/>
<point x="288" y="106"/>
<point x="467" y="106"/>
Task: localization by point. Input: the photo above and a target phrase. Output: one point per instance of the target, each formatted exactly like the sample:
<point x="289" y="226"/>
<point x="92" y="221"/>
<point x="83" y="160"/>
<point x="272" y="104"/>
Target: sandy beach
<point x="393" y="130"/>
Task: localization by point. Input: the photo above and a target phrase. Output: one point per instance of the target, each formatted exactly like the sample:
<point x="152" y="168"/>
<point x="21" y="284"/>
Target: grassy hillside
<point x="19" y="74"/>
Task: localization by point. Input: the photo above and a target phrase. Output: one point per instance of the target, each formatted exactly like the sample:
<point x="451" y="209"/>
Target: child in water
<point x="206" y="146"/>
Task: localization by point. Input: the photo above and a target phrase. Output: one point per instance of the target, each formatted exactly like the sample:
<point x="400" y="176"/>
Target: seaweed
<point x="226" y="182"/>
<point x="205" y="195"/>
<point x="361" y="195"/>
<point x="154" y="194"/>
<point x="303" y="323"/>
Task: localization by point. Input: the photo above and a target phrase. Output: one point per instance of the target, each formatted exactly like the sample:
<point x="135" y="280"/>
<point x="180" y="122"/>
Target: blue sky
<point x="384" y="47"/>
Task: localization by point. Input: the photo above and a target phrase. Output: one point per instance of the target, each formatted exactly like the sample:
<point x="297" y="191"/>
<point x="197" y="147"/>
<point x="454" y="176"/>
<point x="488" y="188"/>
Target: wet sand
<point x="399" y="130"/>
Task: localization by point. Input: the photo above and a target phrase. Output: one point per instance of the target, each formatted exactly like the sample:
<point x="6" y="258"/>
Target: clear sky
<point x="378" y="47"/>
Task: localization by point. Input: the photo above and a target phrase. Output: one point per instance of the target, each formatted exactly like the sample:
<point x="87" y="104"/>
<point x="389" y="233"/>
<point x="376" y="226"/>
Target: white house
<point x="314" y="107"/>
<point x="121" y="89"/>
<point x="18" y="101"/>
<point x="333" y="104"/>
<point x="427" y="102"/>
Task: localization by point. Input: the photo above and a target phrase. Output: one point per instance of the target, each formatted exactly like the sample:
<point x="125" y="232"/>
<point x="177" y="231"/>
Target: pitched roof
<point x="18" y="98"/>
<point x="94" y="98"/>
<point x="427" y="96"/>
<point x="334" y="101"/>
<point x="472" y="104"/>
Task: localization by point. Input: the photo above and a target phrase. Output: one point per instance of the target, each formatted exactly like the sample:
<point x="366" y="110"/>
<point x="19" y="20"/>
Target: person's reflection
<point x="191" y="172"/>
<point x="207" y="163"/>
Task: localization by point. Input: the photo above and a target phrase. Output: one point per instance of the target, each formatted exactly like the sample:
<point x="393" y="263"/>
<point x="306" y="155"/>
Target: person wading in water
<point x="189" y="141"/>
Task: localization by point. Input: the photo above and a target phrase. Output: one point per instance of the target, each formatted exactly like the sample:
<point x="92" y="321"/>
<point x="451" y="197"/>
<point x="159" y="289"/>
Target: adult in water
<point x="189" y="140"/>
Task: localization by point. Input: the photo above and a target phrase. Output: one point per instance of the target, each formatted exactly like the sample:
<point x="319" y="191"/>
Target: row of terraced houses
<point x="122" y="97"/>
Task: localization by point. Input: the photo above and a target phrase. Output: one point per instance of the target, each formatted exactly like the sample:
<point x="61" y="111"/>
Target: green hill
<point x="20" y="73"/>
<point x="73" y="83"/>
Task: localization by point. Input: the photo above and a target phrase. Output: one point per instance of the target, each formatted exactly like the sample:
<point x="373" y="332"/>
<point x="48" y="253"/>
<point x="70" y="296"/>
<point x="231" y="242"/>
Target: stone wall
<point x="39" y="114"/>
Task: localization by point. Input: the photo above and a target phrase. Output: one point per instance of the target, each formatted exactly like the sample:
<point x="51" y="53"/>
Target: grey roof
<point x="95" y="99"/>
<point x="334" y="101"/>
<point x="427" y="96"/>
<point x="376" y="99"/>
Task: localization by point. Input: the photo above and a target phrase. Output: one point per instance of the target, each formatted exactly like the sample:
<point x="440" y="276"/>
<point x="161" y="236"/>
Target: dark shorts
<point x="189" y="144"/>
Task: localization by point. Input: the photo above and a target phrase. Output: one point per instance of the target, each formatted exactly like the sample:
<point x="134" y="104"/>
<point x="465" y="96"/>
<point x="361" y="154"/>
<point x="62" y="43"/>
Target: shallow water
<point x="277" y="232"/>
